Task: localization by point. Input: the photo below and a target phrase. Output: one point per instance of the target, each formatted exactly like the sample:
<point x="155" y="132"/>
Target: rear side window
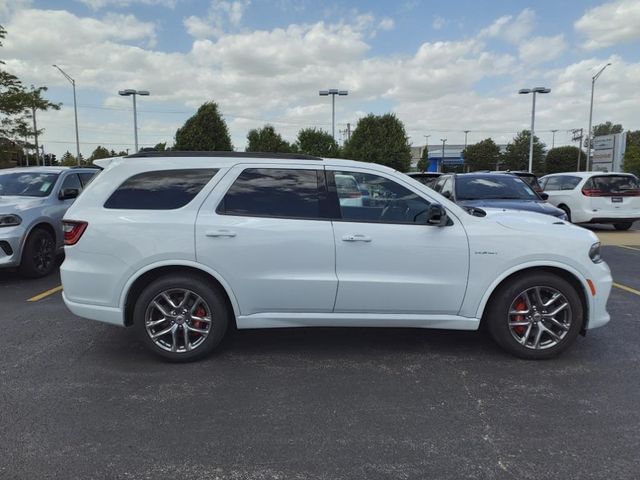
<point x="86" y="178"/>
<point x="160" y="190"/>
<point x="266" y="192"/>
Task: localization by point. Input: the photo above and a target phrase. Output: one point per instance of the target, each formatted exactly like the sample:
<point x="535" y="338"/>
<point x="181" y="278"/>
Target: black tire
<point x="38" y="255"/>
<point x="220" y="317"/>
<point x="623" y="225"/>
<point x="497" y="316"/>
<point x="566" y="210"/>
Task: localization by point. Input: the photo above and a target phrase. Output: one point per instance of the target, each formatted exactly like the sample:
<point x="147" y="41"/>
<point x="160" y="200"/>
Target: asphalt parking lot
<point x="80" y="399"/>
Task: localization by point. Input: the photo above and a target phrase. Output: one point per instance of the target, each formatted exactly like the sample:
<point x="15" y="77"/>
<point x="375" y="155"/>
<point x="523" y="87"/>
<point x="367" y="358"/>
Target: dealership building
<point x="451" y="161"/>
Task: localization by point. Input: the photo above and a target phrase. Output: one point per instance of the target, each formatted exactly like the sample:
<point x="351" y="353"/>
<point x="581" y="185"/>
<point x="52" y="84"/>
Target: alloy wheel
<point x="178" y="320"/>
<point x="43" y="253"/>
<point x="540" y="317"/>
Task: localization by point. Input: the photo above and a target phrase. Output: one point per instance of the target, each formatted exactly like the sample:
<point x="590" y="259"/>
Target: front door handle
<point x="220" y="233"/>
<point x="351" y="237"/>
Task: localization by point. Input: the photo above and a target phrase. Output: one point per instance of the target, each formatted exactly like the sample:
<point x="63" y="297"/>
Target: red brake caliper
<point x="199" y="323"/>
<point x="520" y="305"/>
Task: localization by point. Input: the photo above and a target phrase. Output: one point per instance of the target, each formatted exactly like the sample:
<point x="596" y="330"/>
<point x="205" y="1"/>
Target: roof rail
<point x="278" y="156"/>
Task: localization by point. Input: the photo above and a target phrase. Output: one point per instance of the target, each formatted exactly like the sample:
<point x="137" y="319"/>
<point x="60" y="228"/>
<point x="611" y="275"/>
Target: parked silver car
<point x="32" y="203"/>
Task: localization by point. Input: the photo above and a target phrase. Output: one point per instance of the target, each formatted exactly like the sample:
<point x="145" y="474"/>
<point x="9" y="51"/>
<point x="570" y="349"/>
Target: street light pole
<point x="589" y="132"/>
<point x="443" y="140"/>
<point x="75" y="110"/>
<point x="134" y="93"/>
<point x="466" y="132"/>
<point x="526" y="91"/>
<point x="553" y="139"/>
<point x="333" y="92"/>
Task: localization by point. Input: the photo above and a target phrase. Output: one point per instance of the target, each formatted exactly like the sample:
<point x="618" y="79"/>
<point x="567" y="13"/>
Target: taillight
<point x="73" y="230"/>
<point x="592" y="192"/>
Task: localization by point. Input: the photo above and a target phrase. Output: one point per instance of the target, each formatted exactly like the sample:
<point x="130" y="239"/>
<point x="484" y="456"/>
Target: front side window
<point x="160" y="190"/>
<point x="269" y="192"/>
<point x="71" y="182"/>
<point x="447" y="188"/>
<point x="27" y="184"/>
<point x="365" y="197"/>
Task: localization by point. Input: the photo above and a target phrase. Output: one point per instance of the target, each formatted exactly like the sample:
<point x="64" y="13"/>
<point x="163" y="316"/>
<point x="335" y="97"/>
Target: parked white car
<point x="595" y="197"/>
<point x="183" y="246"/>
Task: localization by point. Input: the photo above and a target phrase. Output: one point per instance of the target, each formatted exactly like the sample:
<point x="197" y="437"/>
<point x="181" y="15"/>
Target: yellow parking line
<point x="627" y="289"/>
<point x="42" y="295"/>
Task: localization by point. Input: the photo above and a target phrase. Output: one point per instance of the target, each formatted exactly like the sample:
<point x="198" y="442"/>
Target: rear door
<point x="388" y="260"/>
<point x="265" y="231"/>
<point x="613" y="195"/>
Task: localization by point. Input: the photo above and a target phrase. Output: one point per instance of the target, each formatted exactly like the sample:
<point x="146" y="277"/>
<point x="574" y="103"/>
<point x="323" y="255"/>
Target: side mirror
<point x="437" y="215"/>
<point x="68" y="193"/>
<point x="544" y="196"/>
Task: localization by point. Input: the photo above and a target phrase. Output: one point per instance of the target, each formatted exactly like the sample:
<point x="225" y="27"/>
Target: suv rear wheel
<point x="535" y="316"/>
<point x="181" y="318"/>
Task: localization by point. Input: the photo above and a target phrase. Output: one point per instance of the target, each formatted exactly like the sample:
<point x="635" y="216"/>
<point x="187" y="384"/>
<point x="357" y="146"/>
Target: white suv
<point x="595" y="197"/>
<point x="182" y="246"/>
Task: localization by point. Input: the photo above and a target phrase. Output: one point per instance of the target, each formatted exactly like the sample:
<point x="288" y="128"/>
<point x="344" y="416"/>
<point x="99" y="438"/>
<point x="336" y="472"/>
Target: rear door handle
<point x="220" y="233"/>
<point x="356" y="238"/>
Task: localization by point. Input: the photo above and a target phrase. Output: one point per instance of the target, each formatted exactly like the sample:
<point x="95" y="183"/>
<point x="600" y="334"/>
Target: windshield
<point x="482" y="188"/>
<point x="27" y="184"/>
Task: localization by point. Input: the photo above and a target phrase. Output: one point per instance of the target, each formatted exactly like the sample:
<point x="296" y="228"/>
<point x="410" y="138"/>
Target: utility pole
<point x="348" y="131"/>
<point x="443" y="140"/>
<point x="35" y="133"/>
<point x="466" y="132"/>
<point x="553" y="139"/>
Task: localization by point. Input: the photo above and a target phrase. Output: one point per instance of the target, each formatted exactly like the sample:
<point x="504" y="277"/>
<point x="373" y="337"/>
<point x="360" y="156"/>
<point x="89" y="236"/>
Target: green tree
<point x="313" y="141"/>
<point x="633" y="138"/>
<point x="483" y="155"/>
<point x="632" y="160"/>
<point x="99" y="152"/>
<point x="380" y="139"/>
<point x="160" y="147"/>
<point x="68" y="160"/>
<point x="516" y="156"/>
<point x="266" y="139"/>
<point x="204" y="131"/>
<point x="423" y="163"/>
<point x="564" y="159"/>
<point x="11" y="98"/>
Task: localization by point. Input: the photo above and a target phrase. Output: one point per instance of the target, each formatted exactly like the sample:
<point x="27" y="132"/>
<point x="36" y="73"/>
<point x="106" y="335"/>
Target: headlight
<point x="10" y="220"/>
<point x="594" y="253"/>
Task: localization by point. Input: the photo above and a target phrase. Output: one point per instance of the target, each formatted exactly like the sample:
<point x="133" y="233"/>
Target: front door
<point x="388" y="260"/>
<point x="264" y="231"/>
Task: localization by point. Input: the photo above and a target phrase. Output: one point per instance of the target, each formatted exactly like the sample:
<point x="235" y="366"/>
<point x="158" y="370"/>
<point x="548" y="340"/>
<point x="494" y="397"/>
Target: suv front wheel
<point x="535" y="316"/>
<point x="181" y="318"/>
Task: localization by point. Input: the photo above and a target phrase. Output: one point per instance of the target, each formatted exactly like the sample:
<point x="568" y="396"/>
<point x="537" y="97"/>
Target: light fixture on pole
<point x="333" y="92"/>
<point x="525" y="91"/>
<point x="443" y="140"/>
<point x="130" y="92"/>
<point x="75" y="110"/>
<point x="589" y="132"/>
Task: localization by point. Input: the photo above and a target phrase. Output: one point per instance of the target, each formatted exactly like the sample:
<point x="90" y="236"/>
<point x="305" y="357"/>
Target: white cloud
<point x="438" y="22"/>
<point x="542" y="49"/>
<point x="98" y="4"/>
<point x="221" y="15"/>
<point x="386" y="24"/>
<point x="610" y="24"/>
<point x="513" y="30"/>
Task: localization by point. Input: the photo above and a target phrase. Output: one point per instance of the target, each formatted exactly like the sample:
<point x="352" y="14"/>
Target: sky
<point x="441" y="67"/>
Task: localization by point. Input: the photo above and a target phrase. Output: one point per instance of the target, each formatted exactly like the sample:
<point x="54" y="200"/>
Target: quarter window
<point x="364" y="197"/>
<point x="266" y="192"/>
<point x="160" y="190"/>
